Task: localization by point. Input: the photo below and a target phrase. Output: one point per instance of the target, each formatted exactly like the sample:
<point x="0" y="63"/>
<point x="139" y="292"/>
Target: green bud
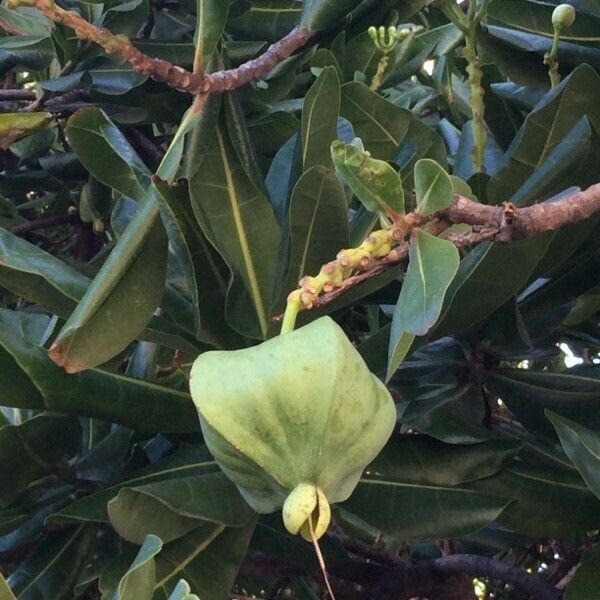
<point x="373" y="33"/>
<point x="563" y="16"/>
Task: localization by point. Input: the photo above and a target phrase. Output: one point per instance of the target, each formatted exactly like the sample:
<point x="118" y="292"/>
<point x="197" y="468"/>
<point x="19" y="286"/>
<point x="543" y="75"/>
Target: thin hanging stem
<point x="551" y="60"/>
<point x="320" y="558"/>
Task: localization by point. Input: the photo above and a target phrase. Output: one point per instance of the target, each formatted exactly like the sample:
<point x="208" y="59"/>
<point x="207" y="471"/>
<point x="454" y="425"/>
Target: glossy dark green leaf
<point x="51" y="571"/>
<point x="198" y="139"/>
<point x="203" y="284"/>
<point x="31" y="272"/>
<point x="114" y="77"/>
<point x="14" y="126"/>
<point x="582" y="446"/>
<point x="126" y="18"/>
<point x="267" y="19"/>
<point x="208" y="558"/>
<point x="570" y="53"/>
<point x="171" y="508"/>
<point x="545" y="127"/>
<point x="34" y="449"/>
<point x="239" y="222"/>
<point x="319" y="119"/>
<point x="529" y="393"/>
<point x="211" y="16"/>
<point x="270" y="131"/>
<point x="433" y="187"/>
<point x="121" y="299"/>
<point x="432" y="265"/>
<point x="487" y="277"/>
<point x="187" y="462"/>
<point x="380" y="125"/>
<point x="323" y="14"/>
<point x="586" y="582"/>
<point x="543" y="500"/>
<point x="416" y="511"/>
<point x="536" y="17"/>
<point x="450" y="413"/>
<point x="318" y="225"/>
<point x="424" y="460"/>
<point x="37" y="383"/>
<point x="106" y="153"/>
<point x="362" y="56"/>
<point x="374" y="182"/>
<point x="26" y="21"/>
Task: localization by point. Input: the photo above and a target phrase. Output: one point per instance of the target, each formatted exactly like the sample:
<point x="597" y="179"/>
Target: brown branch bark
<point x="15" y="95"/>
<point x="164" y="71"/>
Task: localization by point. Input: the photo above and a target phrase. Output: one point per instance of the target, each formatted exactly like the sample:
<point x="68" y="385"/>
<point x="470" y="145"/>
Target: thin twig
<point x="45" y="223"/>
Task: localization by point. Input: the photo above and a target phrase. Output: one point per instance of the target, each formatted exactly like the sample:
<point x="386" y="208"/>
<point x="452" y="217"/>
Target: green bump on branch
<point x="388" y="246"/>
<point x="476" y="101"/>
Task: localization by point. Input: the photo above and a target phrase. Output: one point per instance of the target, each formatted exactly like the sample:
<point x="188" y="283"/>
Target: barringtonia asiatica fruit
<point x="293" y="421"/>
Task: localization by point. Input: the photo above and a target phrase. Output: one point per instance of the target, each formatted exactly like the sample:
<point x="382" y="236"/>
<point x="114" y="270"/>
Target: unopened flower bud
<point x="563" y="16"/>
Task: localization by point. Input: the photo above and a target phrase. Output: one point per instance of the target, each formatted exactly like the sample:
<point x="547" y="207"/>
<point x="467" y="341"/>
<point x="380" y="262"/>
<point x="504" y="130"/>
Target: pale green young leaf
<point x="433" y="187"/>
<point x="374" y="182"/>
<point x="433" y="263"/>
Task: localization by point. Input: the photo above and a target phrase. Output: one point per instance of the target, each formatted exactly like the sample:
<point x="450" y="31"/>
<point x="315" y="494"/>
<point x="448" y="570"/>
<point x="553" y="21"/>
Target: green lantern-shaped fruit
<point x="293" y="421"/>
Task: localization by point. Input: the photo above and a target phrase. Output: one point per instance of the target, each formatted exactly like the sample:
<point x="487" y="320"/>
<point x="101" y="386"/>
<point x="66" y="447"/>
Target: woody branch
<point x="388" y="247"/>
<point x="164" y="71"/>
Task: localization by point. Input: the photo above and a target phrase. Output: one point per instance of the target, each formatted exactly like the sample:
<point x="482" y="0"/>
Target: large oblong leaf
<point x="33" y="449"/>
<point x="433" y="187"/>
<point x="239" y="221"/>
<point x="319" y="119"/>
<point x="416" y="511"/>
<point x="187" y="462"/>
<point x="171" y="508"/>
<point x="433" y="263"/>
<point x="323" y="14"/>
<point x="122" y="298"/>
<point x="211" y="16"/>
<point x="318" y="224"/>
<point x="582" y="446"/>
<point x="32" y="273"/>
<point x="545" y="128"/>
<point x="52" y="570"/>
<point x="381" y="125"/>
<point x="104" y="152"/>
<point x="32" y="380"/>
<point x="208" y="558"/>
<point x="374" y="182"/>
